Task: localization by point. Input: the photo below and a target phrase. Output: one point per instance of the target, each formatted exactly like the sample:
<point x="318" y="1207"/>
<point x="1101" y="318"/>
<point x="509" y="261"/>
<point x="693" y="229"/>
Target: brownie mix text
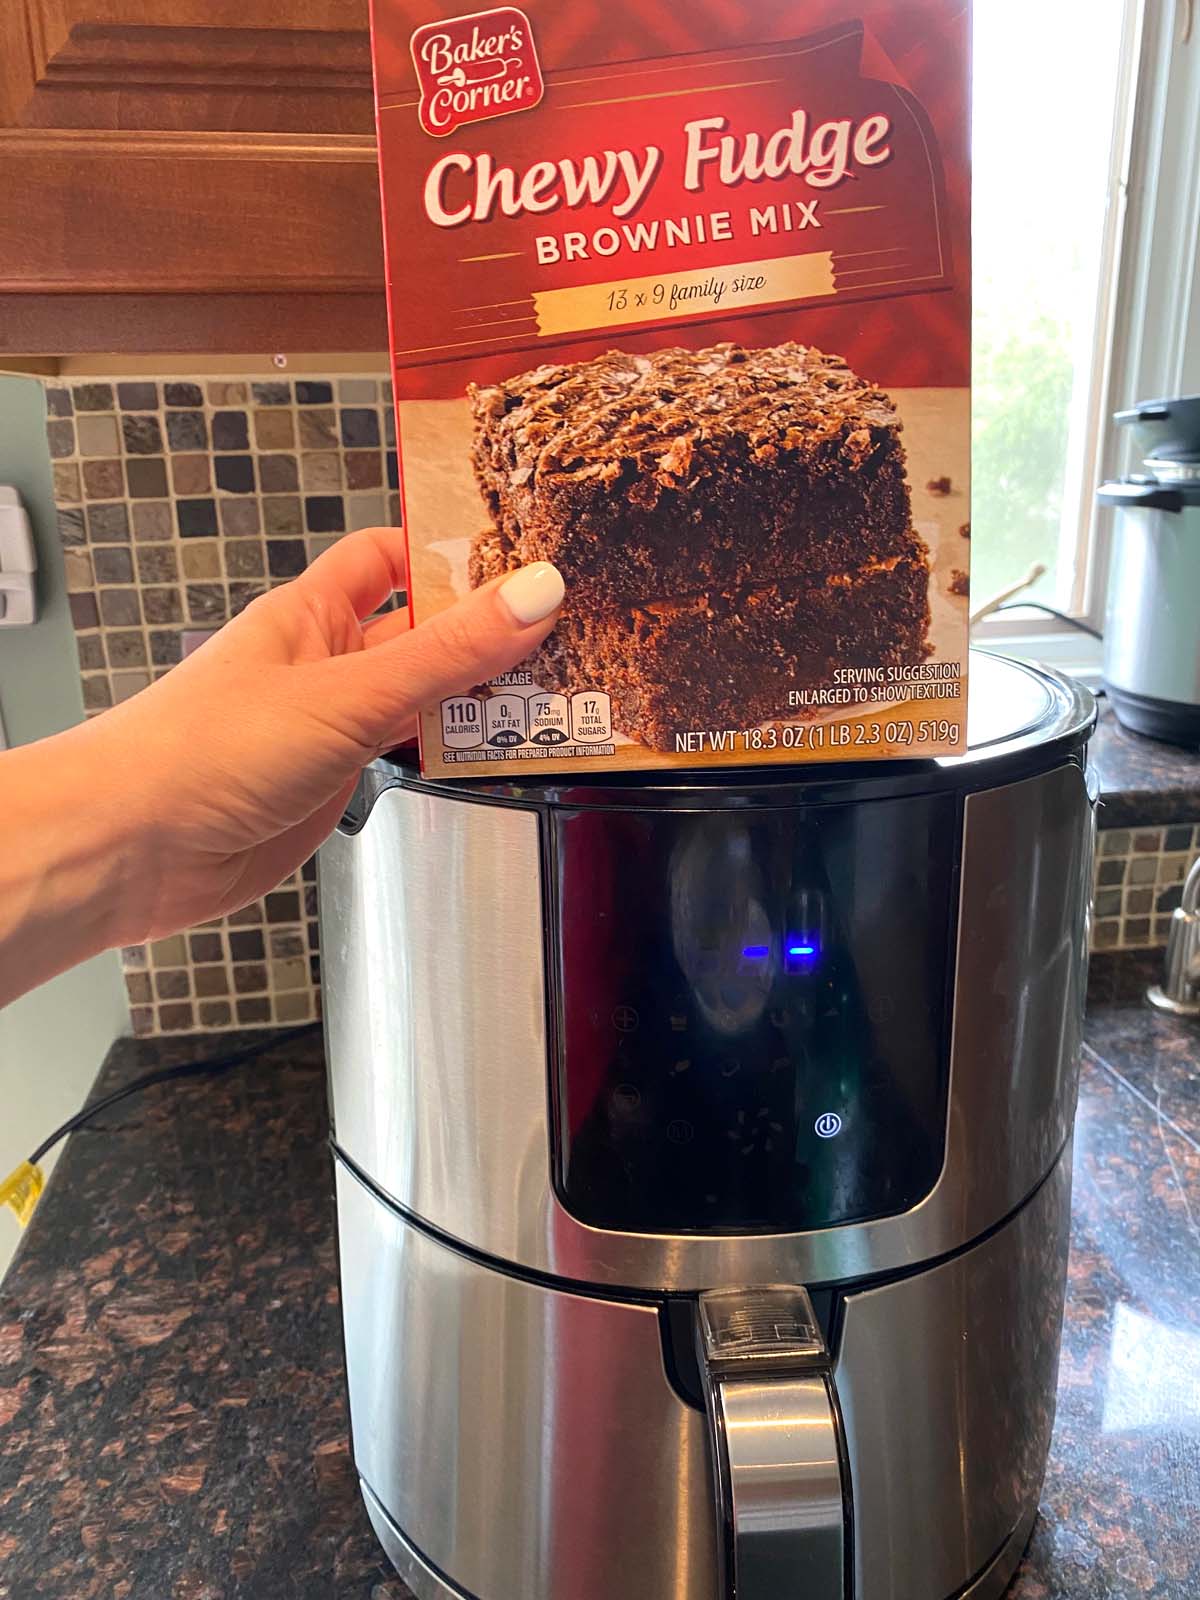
<point x="681" y="303"/>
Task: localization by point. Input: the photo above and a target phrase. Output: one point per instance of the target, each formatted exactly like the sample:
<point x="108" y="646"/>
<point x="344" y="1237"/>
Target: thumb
<point x="493" y="628"/>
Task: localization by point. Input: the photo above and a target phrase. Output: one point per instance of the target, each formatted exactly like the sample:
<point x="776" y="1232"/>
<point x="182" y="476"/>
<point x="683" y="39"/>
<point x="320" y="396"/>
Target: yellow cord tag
<point x="21" y="1190"/>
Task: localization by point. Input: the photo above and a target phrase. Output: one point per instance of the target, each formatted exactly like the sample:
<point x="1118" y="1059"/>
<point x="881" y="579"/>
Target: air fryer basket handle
<point x="776" y="1459"/>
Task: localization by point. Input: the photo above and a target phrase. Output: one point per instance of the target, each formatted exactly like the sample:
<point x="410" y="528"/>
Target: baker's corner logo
<point x="474" y="67"/>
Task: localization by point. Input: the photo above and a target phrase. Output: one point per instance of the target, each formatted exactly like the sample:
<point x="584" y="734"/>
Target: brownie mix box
<point x="679" y="300"/>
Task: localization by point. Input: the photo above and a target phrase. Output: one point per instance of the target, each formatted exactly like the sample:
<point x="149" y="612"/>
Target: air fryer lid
<point x="1007" y="700"/>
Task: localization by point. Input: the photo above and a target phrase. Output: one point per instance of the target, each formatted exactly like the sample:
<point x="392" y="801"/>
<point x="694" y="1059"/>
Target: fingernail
<point x="533" y="592"/>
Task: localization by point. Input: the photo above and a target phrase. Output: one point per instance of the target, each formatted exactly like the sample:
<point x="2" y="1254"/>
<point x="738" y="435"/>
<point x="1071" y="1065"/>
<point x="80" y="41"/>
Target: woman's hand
<point x="205" y="790"/>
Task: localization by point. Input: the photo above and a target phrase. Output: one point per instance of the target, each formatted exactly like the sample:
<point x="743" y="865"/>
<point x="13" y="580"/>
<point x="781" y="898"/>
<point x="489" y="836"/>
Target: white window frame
<point x="1147" y="334"/>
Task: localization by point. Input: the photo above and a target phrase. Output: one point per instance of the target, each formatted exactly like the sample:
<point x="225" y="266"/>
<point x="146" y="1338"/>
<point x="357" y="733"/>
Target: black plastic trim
<point x="1173" y="721"/>
<point x="843" y="1450"/>
<point x="780" y="788"/>
<point x="397" y="771"/>
<point x="1168" y="428"/>
<point x="1136" y="495"/>
<point x="556" y="1030"/>
<point x="681" y="1362"/>
<point x="1147" y="411"/>
<point x="718" y="1453"/>
<point x="552" y="993"/>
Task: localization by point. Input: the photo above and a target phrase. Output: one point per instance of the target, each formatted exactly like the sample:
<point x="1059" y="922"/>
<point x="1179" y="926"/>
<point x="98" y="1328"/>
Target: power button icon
<point x="828" y="1125"/>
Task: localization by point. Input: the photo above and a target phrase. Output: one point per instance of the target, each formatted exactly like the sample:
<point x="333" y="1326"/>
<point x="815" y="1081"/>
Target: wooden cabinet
<point x="188" y="175"/>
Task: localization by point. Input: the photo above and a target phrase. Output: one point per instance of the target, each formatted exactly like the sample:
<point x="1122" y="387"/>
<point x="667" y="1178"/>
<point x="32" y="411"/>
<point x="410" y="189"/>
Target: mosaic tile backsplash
<point x="178" y="502"/>
<point x="1139" y="883"/>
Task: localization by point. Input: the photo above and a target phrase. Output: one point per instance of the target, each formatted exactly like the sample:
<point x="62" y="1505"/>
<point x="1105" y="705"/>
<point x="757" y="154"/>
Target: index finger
<point x="366" y="568"/>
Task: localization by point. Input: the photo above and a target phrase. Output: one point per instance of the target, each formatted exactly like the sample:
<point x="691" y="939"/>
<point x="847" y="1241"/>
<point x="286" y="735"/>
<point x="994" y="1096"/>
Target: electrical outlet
<point x="18" y="562"/>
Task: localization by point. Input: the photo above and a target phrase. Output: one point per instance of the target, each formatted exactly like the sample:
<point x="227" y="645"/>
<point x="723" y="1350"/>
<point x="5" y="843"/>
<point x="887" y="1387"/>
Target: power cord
<point x="1061" y="616"/>
<point x="23" y="1186"/>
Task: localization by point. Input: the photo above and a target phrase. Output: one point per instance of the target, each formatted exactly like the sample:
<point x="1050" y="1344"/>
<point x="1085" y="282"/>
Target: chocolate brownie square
<point x="732" y="524"/>
<point x="681" y="470"/>
<point x="713" y="660"/>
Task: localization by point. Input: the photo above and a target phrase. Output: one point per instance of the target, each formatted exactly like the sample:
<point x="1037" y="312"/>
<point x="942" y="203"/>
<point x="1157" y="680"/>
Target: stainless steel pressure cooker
<point x="1152" y="626"/>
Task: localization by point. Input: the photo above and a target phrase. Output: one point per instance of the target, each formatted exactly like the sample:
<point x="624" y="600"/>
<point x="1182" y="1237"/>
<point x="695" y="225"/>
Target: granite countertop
<point x="172" y="1414"/>
<point x="1143" y="782"/>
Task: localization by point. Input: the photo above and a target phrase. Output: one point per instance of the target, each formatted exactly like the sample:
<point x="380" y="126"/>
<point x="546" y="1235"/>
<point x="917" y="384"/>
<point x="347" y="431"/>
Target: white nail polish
<point x="533" y="592"/>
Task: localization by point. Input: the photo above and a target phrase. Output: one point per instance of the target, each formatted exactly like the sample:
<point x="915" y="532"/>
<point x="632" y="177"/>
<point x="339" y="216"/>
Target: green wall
<point x="53" y="1040"/>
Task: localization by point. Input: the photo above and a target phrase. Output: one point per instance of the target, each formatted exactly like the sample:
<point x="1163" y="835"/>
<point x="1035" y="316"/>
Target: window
<point x="1054" y="93"/>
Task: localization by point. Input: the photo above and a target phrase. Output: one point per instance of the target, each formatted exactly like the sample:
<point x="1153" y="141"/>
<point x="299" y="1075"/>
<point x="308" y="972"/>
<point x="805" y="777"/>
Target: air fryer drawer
<point x="527" y="1442"/>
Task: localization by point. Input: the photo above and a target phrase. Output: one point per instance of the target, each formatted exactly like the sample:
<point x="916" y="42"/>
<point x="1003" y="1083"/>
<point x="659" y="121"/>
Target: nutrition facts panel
<point x="526" y="723"/>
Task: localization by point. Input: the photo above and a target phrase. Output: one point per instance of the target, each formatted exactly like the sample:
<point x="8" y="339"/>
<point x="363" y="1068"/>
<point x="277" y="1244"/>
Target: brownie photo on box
<point x="731" y="524"/>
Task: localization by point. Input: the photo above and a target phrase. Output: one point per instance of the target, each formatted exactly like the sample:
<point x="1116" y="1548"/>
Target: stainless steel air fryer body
<point x="702" y="1155"/>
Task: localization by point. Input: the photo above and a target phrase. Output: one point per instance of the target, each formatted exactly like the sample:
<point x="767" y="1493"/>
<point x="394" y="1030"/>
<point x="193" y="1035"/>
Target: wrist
<point x="72" y="888"/>
<point x="117" y="863"/>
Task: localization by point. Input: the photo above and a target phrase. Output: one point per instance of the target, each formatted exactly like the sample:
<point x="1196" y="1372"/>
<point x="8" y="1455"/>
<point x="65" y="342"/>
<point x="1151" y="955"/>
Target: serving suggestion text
<point x="461" y="188"/>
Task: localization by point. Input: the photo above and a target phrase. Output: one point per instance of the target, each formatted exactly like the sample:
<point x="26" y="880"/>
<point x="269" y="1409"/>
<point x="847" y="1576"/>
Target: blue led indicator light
<point x="800" y="951"/>
<point x="756" y="952"/>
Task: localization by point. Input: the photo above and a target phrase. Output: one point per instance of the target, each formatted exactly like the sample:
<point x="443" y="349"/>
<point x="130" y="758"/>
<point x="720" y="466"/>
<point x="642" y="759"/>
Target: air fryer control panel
<point x="753" y="1013"/>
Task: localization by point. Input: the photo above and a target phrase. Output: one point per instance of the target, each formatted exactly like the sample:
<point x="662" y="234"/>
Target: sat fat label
<point x="475" y="67"/>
